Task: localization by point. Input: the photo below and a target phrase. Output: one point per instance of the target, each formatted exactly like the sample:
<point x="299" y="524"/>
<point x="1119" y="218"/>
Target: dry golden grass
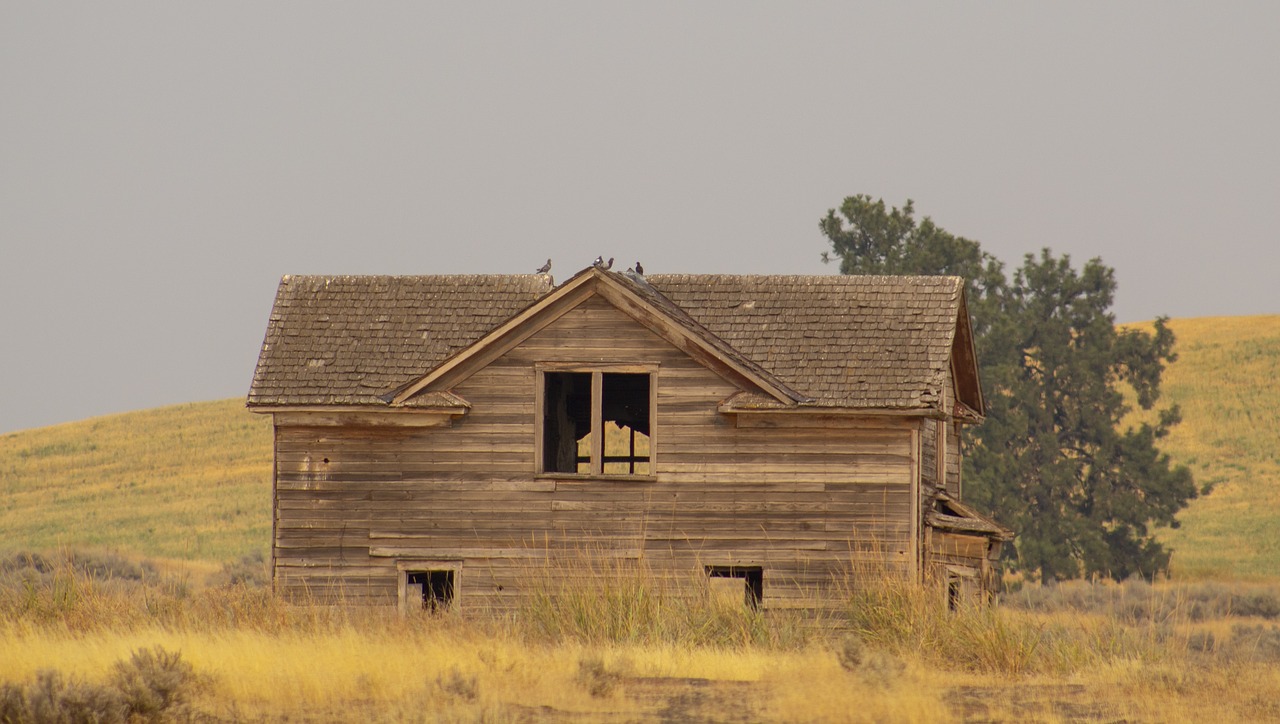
<point x="1076" y="653"/>
<point x="1225" y="381"/>
<point x="190" y="482"/>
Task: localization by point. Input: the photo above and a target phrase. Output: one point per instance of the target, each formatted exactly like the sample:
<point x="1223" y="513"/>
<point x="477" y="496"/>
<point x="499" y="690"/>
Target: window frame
<point x="597" y="372"/>
<point x="406" y="566"/>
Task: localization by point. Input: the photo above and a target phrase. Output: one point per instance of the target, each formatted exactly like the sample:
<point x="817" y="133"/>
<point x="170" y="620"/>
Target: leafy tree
<point x="1054" y="459"/>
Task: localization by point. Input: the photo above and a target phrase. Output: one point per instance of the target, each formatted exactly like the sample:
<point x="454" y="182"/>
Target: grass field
<point x="191" y="482"/>
<point x="80" y="635"/>
<point x="1227" y="382"/>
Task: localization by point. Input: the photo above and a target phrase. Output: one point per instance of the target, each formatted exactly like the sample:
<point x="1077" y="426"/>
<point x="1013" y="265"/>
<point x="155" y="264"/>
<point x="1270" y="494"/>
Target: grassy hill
<point x="193" y="482"/>
<point x="190" y="482"/>
<point x="1227" y="382"/>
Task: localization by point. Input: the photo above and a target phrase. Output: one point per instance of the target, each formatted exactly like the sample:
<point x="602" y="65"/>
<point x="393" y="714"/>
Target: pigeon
<point x="608" y="264"/>
<point x="598" y="262"/>
<point x="545" y="268"/>
<point x="639" y="269"/>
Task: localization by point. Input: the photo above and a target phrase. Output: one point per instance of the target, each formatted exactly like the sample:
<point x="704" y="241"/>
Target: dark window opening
<point x="751" y="580"/>
<point x="566" y="422"/>
<point x="625" y="404"/>
<point x="433" y="588"/>
<point x="953" y="595"/>
<point x="572" y="415"/>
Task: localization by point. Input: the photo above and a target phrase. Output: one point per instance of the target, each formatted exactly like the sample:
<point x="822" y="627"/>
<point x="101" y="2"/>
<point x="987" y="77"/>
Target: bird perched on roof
<point x="639" y="269"/>
<point x="545" y="268"/>
<point x="601" y="264"/>
<point x="598" y="262"/>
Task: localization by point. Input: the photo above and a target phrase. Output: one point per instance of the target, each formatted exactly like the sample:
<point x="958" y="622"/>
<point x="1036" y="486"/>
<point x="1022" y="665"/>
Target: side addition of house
<point x="439" y="438"/>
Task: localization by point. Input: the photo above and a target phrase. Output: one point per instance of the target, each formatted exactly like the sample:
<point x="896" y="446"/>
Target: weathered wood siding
<point x="955" y="460"/>
<point x="801" y="498"/>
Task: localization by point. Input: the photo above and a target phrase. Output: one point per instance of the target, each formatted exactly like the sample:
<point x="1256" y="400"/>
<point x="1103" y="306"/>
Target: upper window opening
<point x="566" y="422"/>
<point x="579" y="407"/>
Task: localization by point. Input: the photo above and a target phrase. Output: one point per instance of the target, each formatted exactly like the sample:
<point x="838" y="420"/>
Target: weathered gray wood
<point x="809" y="496"/>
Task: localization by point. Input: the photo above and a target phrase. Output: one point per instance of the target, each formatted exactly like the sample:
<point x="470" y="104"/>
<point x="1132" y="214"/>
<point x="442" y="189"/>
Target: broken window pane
<point x="626" y="424"/>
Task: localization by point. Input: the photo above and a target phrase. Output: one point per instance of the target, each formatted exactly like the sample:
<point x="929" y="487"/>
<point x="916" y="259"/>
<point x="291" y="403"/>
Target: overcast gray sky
<point x="162" y="164"/>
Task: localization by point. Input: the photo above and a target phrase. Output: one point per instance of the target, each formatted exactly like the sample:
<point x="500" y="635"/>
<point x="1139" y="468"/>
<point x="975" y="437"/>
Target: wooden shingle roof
<point x="846" y="341"/>
<point x="862" y="342"/>
<point x="347" y="340"/>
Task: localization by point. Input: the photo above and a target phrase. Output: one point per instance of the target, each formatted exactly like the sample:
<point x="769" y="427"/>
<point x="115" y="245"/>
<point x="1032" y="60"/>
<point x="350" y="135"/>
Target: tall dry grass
<point x="602" y="599"/>
<point x="625" y="644"/>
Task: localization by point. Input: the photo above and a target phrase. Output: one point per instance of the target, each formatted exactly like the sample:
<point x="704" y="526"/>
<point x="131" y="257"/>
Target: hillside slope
<point x="193" y="481"/>
<point x="1227" y="382"/>
<point x="189" y="482"/>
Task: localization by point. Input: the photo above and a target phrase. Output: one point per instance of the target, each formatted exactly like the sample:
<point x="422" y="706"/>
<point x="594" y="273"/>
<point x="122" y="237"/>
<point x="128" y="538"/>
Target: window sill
<point x="601" y="478"/>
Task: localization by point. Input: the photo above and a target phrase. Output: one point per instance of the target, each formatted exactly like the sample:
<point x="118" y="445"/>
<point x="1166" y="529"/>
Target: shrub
<point x="595" y="677"/>
<point x="460" y="685"/>
<point x="876" y="667"/>
<point x="153" y="685"/>
<point x="154" y="681"/>
<point x="55" y="698"/>
<point x="252" y="571"/>
<point x="1256" y="643"/>
<point x="1136" y="601"/>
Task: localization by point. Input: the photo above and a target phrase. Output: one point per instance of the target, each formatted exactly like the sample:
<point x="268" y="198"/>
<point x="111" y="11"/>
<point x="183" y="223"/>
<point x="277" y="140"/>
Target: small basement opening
<point x="433" y="588"/>
<point x="745" y="583"/>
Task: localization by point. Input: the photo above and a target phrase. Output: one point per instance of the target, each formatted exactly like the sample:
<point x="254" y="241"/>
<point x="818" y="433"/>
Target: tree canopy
<point x="1055" y="459"/>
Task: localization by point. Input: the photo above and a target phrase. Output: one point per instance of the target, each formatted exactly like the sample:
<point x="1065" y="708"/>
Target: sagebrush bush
<point x="595" y="677"/>
<point x="1136" y="601"/>
<point x="155" y="681"/>
<point x="459" y="685"/>
<point x="253" y="571"/>
<point x="876" y="667"/>
<point x="153" y="685"/>
<point x="1255" y="643"/>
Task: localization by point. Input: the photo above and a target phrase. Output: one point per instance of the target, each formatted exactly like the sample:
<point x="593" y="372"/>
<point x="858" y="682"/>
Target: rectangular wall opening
<point x="625" y="409"/>
<point x="566" y="422"/>
<point x="597" y="423"/>
<point x="745" y="583"/>
<point x="431" y="590"/>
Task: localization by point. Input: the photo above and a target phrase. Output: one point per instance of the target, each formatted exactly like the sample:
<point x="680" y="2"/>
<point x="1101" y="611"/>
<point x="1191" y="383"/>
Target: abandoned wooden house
<point x="439" y="439"/>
